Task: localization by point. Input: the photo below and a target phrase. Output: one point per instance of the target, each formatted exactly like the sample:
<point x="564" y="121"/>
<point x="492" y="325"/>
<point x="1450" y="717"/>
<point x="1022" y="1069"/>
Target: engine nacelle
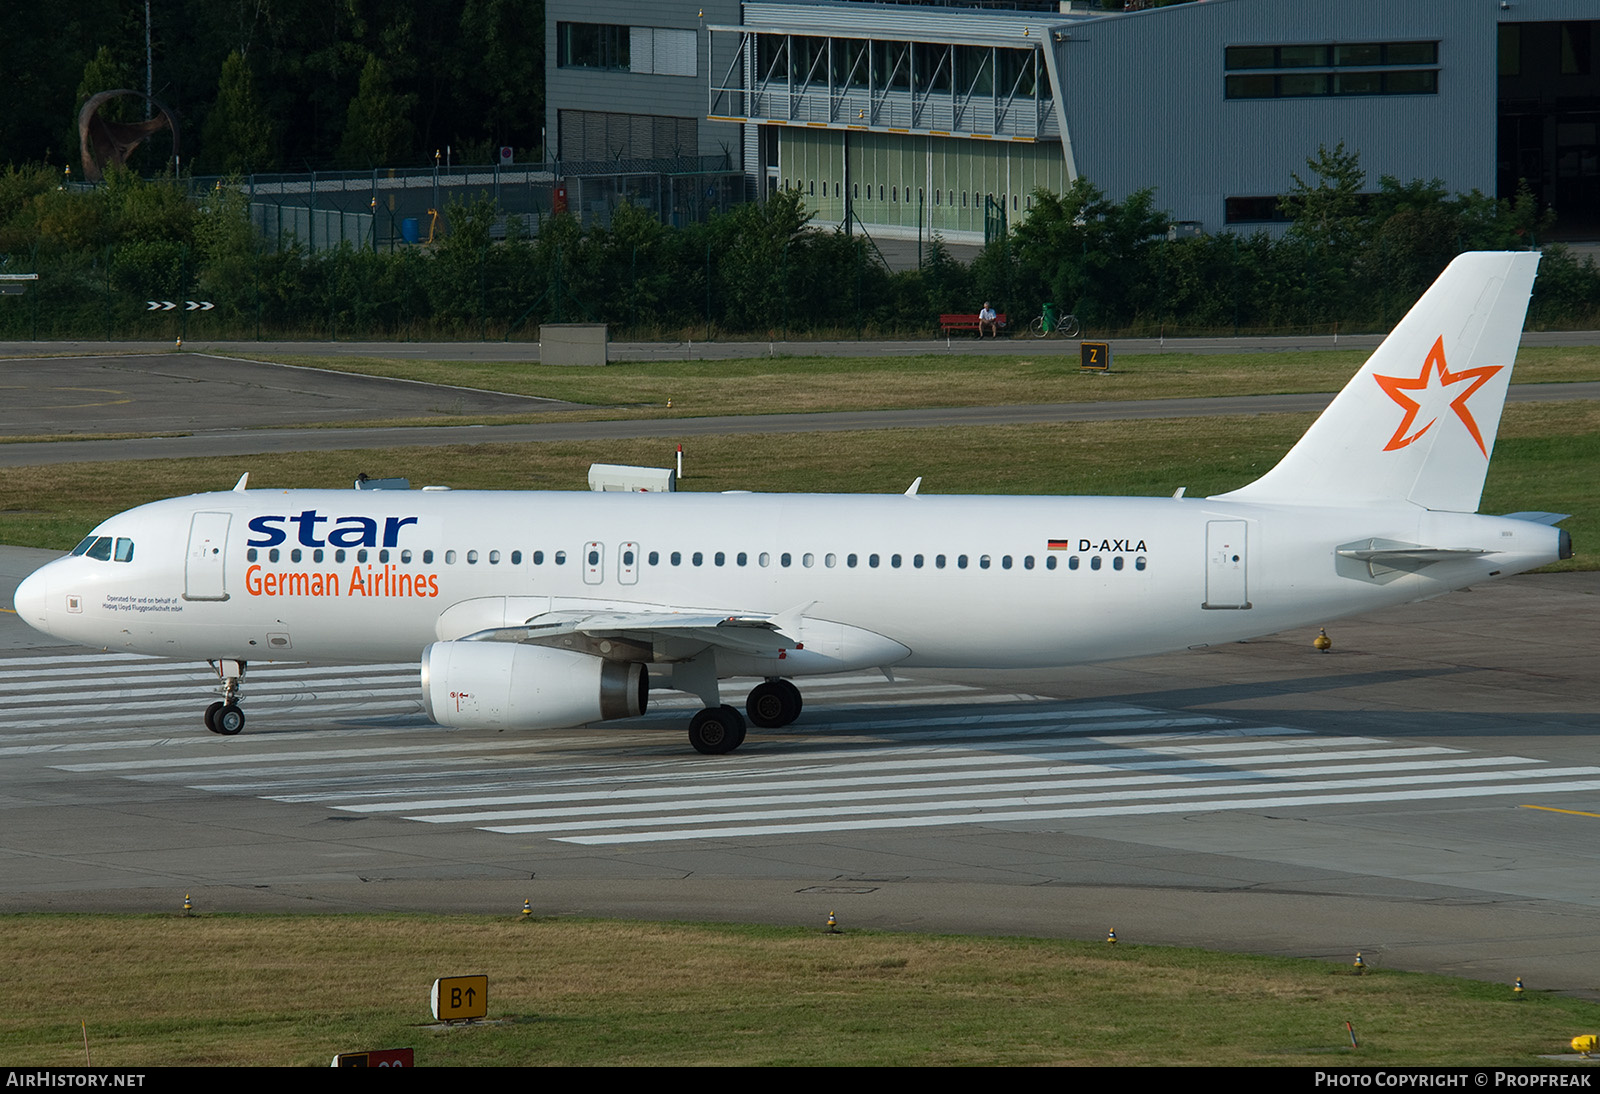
<point x="509" y="685"/>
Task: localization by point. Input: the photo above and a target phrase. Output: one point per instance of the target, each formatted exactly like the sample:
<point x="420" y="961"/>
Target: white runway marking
<point x="867" y="755"/>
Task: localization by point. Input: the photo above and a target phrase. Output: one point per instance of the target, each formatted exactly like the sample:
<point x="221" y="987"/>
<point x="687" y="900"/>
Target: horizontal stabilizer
<point x="1386" y="554"/>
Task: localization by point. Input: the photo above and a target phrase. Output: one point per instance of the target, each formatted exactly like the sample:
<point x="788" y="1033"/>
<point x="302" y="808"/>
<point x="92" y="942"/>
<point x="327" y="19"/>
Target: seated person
<point x="986" y="321"/>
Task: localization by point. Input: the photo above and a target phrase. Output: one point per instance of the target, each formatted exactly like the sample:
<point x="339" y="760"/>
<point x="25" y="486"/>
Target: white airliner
<point x="547" y="610"/>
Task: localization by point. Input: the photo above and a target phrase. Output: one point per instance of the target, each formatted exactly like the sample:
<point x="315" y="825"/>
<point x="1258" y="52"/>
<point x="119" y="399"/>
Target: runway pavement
<point x="1427" y="793"/>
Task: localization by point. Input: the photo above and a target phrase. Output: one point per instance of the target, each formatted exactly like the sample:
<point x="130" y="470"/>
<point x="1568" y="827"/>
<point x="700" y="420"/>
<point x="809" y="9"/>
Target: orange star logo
<point x="1433" y="385"/>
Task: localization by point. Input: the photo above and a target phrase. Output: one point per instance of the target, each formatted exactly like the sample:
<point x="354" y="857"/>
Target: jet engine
<point x="509" y="685"/>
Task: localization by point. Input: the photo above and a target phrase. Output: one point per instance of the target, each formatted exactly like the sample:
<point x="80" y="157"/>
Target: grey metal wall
<point x="1143" y="98"/>
<point x="631" y="93"/>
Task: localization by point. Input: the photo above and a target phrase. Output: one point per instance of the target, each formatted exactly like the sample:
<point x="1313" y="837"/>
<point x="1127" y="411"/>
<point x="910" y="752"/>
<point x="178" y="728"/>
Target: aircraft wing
<point x="751" y="634"/>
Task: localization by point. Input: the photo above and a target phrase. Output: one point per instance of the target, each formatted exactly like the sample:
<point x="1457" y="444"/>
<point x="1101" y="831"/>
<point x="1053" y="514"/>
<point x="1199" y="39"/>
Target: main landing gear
<point x="721" y="729"/>
<point x="225" y="717"/>
<point x="773" y="703"/>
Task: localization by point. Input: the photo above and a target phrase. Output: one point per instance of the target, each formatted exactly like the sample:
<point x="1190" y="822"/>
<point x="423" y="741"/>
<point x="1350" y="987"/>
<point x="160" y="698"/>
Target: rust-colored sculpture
<point x="104" y="142"/>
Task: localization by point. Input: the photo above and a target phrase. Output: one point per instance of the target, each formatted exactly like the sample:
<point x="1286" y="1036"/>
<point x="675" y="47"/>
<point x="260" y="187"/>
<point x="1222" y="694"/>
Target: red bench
<point x="955" y="321"/>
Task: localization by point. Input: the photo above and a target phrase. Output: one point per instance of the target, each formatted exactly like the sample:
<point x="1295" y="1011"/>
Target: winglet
<point x="911" y="491"/>
<point x="1417" y="424"/>
<point x="244" y="480"/>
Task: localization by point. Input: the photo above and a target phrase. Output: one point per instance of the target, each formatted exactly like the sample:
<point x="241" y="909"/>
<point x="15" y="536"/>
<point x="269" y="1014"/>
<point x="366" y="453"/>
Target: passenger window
<point x="316" y="555"/>
<point x="698" y="558"/>
<point x="720" y="558"/>
<point x="383" y="555"/>
<point x="1116" y="563"/>
<point x="124" y="549"/>
<point x="472" y="558"/>
<point x="850" y="561"/>
<point x="361" y="555"/>
<point x="272" y="555"/>
<point x="427" y="557"/>
<point x="294" y="555"/>
<point x="677" y="558"/>
<point x="807" y="559"/>
<point x="983" y="562"/>
<point x="765" y="559"/>
<point x="655" y="558"/>
<point x="872" y="561"/>
<point x="961" y="562"/>
<point x="830" y="560"/>
<point x="449" y="558"/>
<point x="785" y="559"/>
<point x="743" y="559"/>
<point x="560" y="558"/>
<point x="250" y="555"/>
<point x="594" y="557"/>
<point x="1138" y="563"/>
<point x="1072" y="563"/>
<point x="1050" y="562"/>
<point x="101" y="549"/>
<point x="938" y="562"/>
<point x="516" y="557"/>
<point x="1005" y="562"/>
<point x="627" y="558"/>
<point x="1094" y="563"/>
<point x="405" y="556"/>
<point x="1027" y="562"/>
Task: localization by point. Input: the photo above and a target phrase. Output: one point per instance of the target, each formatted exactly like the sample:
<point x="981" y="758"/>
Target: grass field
<point x="793" y="385"/>
<point x="286" y="990"/>
<point x="1545" y="460"/>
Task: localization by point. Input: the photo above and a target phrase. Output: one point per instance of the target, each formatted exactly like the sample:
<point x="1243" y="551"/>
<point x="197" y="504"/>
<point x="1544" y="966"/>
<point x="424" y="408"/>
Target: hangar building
<point x="914" y="118"/>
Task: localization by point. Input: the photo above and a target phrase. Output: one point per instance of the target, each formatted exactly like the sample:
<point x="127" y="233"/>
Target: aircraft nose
<point x="31" y="599"/>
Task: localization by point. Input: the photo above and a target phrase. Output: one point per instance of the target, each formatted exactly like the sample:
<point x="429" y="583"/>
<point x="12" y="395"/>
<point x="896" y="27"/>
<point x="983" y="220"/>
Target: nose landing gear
<point x="225" y="717"/>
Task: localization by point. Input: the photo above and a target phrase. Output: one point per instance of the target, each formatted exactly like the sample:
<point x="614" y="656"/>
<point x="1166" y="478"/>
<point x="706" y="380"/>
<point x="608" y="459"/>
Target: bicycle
<point x="1061" y="326"/>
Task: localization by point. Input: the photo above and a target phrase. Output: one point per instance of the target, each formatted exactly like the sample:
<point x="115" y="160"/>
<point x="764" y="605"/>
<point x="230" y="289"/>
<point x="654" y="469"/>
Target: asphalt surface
<point x="725" y="350"/>
<point x="229" y="407"/>
<point x="1423" y="793"/>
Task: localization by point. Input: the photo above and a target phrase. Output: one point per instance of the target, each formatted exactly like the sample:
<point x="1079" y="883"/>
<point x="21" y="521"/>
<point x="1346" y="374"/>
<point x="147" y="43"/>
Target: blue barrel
<point x="410" y="230"/>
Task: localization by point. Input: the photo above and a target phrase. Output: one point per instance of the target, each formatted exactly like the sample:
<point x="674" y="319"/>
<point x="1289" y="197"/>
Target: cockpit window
<point x="104" y="548"/>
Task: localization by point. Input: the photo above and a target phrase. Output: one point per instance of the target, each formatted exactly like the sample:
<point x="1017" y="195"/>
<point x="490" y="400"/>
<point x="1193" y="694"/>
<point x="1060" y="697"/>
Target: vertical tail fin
<point x="1418" y="422"/>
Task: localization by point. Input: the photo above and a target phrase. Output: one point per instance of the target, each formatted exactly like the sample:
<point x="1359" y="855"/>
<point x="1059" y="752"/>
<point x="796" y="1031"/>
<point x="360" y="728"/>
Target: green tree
<point x="377" y="130"/>
<point x="238" y="134"/>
